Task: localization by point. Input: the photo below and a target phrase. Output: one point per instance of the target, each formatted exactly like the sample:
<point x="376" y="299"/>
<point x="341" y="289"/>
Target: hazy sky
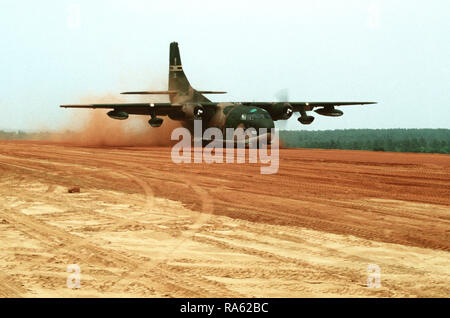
<point x="395" y="52"/>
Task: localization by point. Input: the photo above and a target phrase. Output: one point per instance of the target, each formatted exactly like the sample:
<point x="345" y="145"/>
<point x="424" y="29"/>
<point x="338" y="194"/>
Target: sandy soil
<point x="143" y="226"/>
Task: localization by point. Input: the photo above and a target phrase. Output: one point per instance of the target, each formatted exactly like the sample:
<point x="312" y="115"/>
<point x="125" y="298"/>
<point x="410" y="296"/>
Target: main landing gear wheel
<point x="155" y="122"/>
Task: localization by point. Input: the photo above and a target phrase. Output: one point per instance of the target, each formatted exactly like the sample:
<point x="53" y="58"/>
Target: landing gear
<point x="155" y="121"/>
<point x="304" y="118"/>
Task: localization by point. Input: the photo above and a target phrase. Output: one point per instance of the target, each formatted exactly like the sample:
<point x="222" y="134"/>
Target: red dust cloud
<point x="99" y="130"/>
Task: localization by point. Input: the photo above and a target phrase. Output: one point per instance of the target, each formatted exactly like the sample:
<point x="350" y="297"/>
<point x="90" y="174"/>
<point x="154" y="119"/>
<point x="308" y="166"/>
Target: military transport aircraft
<point x="188" y="104"/>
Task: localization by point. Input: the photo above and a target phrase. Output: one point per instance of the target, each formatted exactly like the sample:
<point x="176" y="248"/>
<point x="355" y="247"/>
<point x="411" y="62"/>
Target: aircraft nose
<point x="263" y="123"/>
<point x="259" y="124"/>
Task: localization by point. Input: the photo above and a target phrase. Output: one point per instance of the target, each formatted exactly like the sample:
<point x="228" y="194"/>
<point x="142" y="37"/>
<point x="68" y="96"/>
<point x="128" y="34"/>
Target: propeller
<point x="282" y="96"/>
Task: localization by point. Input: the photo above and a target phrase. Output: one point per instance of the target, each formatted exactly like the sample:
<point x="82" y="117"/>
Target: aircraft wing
<point x="165" y="109"/>
<point x="306" y="105"/>
<point x="159" y="109"/>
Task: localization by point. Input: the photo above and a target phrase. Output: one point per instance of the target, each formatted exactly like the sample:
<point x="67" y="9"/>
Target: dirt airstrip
<point x="143" y="226"/>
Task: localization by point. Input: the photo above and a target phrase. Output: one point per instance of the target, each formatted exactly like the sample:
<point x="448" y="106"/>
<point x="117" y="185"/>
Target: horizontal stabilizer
<point x="151" y="93"/>
<point x="211" y="92"/>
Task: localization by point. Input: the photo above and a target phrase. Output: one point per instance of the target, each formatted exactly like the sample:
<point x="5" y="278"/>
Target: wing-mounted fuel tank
<point x="281" y="111"/>
<point x="117" y="114"/>
<point x="329" y="111"/>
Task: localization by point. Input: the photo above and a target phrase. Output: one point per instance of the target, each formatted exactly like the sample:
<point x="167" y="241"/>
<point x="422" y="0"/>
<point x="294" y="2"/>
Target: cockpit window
<point x="258" y="116"/>
<point x="255" y="116"/>
<point x="252" y="115"/>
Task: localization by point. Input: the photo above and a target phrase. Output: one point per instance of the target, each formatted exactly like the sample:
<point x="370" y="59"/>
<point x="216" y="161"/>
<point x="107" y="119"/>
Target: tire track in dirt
<point x="9" y="288"/>
<point x="207" y="288"/>
<point x="304" y="218"/>
<point x="55" y="237"/>
<point x="237" y="192"/>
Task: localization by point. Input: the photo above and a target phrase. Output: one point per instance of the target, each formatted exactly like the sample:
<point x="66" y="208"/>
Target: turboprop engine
<point x="281" y="111"/>
<point x="195" y="111"/>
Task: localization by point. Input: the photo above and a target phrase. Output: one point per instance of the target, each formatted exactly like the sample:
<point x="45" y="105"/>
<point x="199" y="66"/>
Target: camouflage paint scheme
<point x="187" y="104"/>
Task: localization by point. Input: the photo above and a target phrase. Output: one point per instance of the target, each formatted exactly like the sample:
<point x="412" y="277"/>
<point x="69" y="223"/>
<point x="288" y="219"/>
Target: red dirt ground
<point x="383" y="198"/>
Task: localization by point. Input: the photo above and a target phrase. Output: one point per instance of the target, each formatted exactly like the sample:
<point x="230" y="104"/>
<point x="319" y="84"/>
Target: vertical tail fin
<point x="177" y="78"/>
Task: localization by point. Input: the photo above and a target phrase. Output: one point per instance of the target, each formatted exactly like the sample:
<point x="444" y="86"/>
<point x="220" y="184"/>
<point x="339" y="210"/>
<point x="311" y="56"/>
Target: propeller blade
<point x="282" y="96"/>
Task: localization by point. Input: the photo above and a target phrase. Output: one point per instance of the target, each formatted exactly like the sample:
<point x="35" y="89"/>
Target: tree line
<point x="397" y="140"/>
